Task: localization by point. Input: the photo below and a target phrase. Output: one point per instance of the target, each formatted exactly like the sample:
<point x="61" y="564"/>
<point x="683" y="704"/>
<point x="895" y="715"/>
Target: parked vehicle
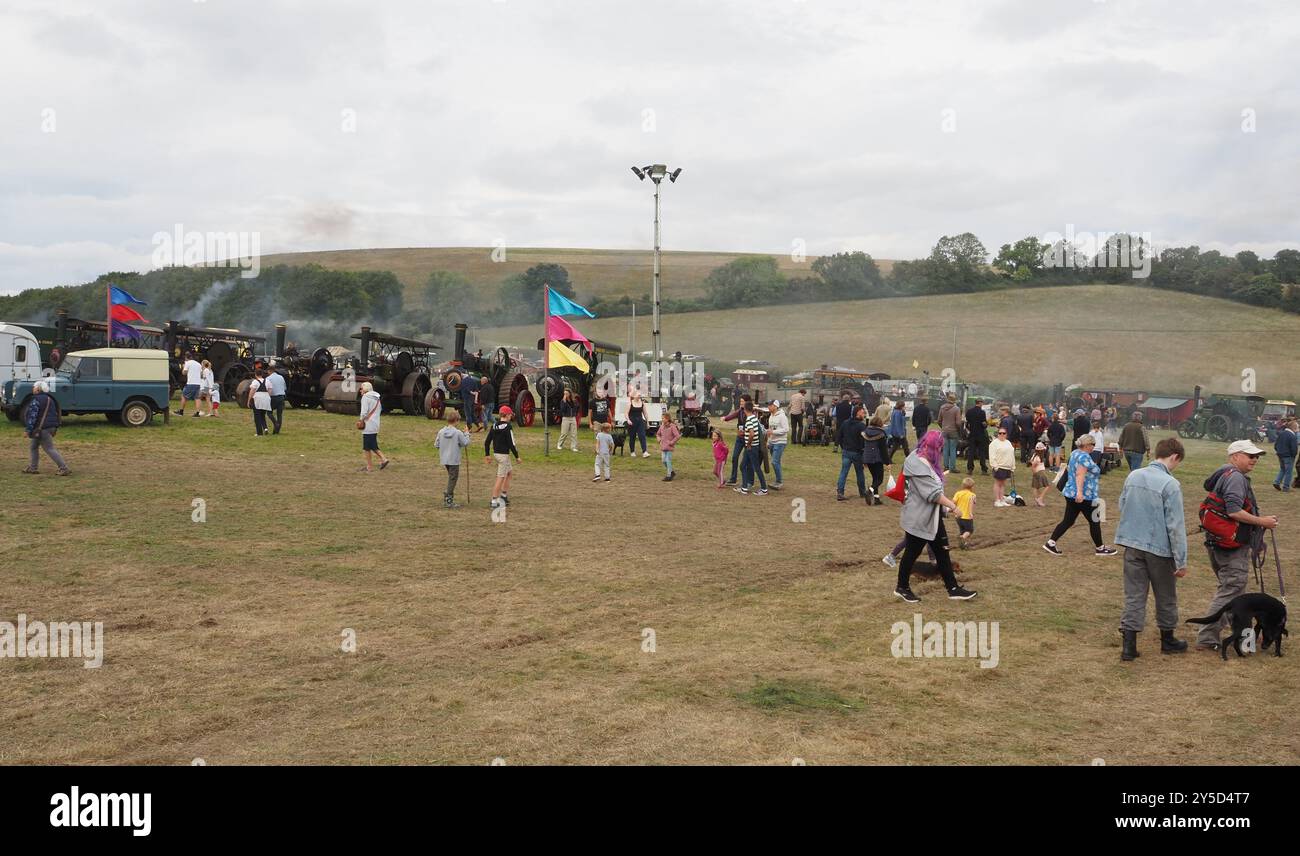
<point x="512" y="380"/>
<point x="129" y="385"/>
<point x="397" y="367"/>
<point x="20" y="354"/>
<point x="1224" y="418"/>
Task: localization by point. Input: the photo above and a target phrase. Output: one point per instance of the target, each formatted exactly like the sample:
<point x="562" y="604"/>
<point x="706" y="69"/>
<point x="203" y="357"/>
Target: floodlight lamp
<point x="657" y="171"/>
<point x="639" y="173"/>
<point x="672" y="176"/>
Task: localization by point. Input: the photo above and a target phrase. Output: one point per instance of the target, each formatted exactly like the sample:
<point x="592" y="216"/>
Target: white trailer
<point x="20" y="354"/>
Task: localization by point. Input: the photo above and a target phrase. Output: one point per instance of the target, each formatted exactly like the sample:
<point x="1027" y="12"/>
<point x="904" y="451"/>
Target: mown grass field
<point x="1117" y="337"/>
<point x="594" y="273"/>
<point x="523" y="640"/>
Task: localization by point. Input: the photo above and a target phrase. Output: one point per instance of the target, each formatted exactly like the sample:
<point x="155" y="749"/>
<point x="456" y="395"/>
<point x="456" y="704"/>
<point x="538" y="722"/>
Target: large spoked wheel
<point x="136" y="414"/>
<point x="241" y="393"/>
<point x="525" y="409"/>
<point x="1187" y="430"/>
<point x="435" y="404"/>
<point x="1219" y="428"/>
<point x="414" y="391"/>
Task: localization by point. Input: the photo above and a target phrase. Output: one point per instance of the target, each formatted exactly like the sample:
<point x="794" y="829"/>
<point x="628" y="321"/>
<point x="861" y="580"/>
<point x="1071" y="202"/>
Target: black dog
<point x="1266" y="612"/>
<point x="619" y="434"/>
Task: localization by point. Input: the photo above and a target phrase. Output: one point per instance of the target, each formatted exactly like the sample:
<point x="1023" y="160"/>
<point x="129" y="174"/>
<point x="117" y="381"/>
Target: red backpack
<point x="1221" y="530"/>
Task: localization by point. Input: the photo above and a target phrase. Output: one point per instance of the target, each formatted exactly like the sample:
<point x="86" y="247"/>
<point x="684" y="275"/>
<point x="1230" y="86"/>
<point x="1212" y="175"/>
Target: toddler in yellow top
<point x="965" y="499"/>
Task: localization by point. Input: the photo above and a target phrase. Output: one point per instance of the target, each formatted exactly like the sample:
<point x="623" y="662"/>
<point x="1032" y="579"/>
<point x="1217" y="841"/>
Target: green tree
<point x="1026" y="253"/>
<point x="746" y="281"/>
<point x="1249" y="261"/>
<point x="1261" y="290"/>
<point x="1286" y="266"/>
<point x="849" y="276"/>
<point x="522" y="294"/>
<point x="958" y="264"/>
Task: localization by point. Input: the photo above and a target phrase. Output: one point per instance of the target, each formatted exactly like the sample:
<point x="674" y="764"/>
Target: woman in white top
<point x="206" y="382"/>
<point x="259" y="398"/>
<point x="1002" y="458"/>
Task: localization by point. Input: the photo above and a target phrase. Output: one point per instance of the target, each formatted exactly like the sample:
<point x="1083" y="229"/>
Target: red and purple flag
<point x="120" y="312"/>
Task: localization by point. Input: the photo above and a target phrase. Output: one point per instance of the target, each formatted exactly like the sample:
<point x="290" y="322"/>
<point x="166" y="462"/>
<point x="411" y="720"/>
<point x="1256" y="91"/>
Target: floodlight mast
<point x="656" y="173"/>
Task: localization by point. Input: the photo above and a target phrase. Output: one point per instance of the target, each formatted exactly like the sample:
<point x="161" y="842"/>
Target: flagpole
<point x="108" y="316"/>
<point x="546" y="369"/>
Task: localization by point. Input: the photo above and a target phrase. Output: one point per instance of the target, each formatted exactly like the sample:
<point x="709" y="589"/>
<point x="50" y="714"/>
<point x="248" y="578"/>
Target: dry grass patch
<point x="524" y="640"/>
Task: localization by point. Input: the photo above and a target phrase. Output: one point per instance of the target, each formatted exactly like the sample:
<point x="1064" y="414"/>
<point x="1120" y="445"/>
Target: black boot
<point x="1130" y="651"/>
<point x="1170" y="645"/>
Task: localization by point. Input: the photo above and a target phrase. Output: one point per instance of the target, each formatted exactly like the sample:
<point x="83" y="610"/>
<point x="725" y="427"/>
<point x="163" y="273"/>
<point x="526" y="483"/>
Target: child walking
<point x="449" y="442"/>
<point x="1042" y="481"/>
<point x="668" y="435"/>
<point x="719" y="456"/>
<point x="965" y="499"/>
<point x="604" y="448"/>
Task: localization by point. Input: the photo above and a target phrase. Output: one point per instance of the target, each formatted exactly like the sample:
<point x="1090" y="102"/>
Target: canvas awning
<point x="1157" y="403"/>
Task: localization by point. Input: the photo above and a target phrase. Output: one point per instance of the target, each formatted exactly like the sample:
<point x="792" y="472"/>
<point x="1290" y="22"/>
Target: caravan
<point x="20" y="354"/>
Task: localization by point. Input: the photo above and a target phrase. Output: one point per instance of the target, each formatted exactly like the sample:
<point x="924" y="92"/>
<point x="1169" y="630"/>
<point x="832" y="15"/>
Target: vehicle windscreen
<point x="69" y="366"/>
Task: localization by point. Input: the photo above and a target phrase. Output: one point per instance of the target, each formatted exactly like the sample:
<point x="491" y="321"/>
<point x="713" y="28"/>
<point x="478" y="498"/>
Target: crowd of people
<point x="1151" y="526"/>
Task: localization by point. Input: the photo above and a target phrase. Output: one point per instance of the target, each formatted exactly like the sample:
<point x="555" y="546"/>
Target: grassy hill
<point x="1120" y="337"/>
<point x="598" y="273"/>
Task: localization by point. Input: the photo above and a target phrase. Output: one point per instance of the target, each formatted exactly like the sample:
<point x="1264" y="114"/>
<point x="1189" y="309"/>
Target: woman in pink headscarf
<point x="922" y="518"/>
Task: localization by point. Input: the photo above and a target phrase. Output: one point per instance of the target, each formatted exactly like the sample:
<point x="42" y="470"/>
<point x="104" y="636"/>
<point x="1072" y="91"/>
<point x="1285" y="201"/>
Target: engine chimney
<point x="460" y="343"/>
<point x="279" y="341"/>
<point x="61" y="331"/>
<point x="1196" y="398"/>
<point x="365" y="347"/>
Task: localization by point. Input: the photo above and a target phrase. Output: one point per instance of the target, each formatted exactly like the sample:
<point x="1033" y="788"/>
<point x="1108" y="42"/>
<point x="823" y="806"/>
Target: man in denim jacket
<point x="1154" y="536"/>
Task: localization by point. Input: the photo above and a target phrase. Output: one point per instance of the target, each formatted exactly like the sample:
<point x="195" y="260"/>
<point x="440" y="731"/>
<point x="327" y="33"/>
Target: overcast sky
<point x="477" y="120"/>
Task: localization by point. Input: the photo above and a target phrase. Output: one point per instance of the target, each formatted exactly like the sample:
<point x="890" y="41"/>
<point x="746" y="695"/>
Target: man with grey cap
<point x="1232" y="565"/>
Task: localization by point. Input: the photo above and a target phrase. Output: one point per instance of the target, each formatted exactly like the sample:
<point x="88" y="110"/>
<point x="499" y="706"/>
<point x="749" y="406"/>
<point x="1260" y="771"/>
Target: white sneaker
<point x="999" y="504"/>
<point x="645" y="454"/>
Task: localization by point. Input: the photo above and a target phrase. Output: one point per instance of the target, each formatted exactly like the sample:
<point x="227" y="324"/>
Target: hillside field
<point x="594" y="273"/>
<point x="1120" y="337"/>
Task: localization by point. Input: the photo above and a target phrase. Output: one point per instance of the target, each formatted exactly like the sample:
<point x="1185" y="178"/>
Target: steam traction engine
<point x="397" y="367"/>
<point x="582" y="384"/>
<point x="304" y="374"/>
<point x="507" y="376"/>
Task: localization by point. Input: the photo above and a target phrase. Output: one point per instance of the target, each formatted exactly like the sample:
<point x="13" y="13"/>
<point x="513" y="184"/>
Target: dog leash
<point x="1281" y="586"/>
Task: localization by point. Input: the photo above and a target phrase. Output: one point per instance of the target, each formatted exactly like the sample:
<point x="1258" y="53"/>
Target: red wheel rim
<point x="527" y="410"/>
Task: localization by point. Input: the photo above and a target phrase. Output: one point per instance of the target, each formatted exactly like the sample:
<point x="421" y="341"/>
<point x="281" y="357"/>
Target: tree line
<point x="321" y="306"/>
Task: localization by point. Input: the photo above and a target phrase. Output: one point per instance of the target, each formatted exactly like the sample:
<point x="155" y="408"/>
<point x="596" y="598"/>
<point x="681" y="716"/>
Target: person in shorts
<point x="498" y="446"/>
<point x="371" y="407"/>
<point x="1042" y="478"/>
<point x="193" y="371"/>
